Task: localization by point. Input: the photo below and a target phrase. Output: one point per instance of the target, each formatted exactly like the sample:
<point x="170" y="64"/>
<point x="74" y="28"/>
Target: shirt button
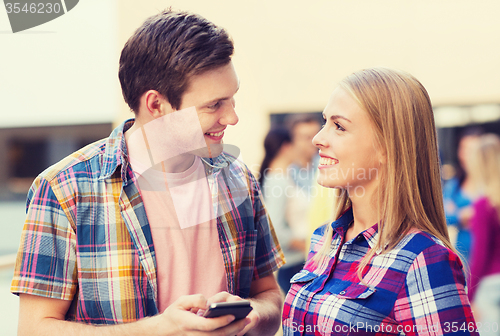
<point x="342" y="293"/>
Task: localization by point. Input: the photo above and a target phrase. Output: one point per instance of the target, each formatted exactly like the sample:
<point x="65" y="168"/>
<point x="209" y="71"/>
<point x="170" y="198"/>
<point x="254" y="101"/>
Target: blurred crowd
<point x="472" y="207"/>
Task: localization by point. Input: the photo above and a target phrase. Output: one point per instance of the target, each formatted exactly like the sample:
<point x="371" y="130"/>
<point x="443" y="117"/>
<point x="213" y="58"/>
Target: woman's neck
<point x="365" y="213"/>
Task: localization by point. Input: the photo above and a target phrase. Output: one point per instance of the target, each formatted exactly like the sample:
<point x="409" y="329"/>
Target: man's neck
<point x="177" y="164"/>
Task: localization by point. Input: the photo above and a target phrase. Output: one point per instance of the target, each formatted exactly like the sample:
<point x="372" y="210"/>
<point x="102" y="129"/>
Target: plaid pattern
<point x="87" y="238"/>
<point x="418" y="288"/>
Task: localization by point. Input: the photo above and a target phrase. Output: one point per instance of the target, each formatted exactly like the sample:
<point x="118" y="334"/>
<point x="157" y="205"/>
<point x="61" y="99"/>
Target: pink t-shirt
<point x="180" y="213"/>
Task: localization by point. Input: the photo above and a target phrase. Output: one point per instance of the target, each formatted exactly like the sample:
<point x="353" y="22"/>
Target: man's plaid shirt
<point x="87" y="239"/>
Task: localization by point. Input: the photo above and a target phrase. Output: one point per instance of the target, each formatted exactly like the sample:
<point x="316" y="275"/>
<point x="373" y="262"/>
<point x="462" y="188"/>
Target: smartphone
<point x="239" y="309"/>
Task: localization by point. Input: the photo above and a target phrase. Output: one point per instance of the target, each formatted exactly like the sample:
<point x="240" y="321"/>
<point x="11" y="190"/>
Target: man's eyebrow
<point x="336" y="116"/>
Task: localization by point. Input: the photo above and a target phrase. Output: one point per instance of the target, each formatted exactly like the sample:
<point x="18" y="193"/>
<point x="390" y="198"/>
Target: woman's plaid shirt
<point x="418" y="288"/>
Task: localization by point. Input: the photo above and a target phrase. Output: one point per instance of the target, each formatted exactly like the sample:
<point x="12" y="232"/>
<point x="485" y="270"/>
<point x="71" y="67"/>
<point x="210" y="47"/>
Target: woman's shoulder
<point x="425" y="245"/>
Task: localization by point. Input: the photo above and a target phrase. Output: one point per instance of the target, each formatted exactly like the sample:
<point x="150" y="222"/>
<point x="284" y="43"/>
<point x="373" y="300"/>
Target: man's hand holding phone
<point x="182" y="319"/>
<point x="251" y="319"/>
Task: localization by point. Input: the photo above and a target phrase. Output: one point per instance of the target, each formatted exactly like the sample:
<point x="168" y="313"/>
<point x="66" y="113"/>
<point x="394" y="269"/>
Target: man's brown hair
<point x="166" y="51"/>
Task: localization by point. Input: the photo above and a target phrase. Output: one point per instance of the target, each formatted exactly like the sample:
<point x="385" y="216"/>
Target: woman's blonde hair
<point x="485" y="167"/>
<point x="409" y="193"/>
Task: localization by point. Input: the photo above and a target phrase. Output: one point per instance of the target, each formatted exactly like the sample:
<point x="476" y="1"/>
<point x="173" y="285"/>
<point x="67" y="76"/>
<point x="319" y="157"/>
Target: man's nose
<point x="230" y="117"/>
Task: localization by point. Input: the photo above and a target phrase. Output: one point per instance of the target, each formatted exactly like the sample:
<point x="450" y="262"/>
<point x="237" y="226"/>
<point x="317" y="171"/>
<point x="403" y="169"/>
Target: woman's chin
<point x="328" y="183"/>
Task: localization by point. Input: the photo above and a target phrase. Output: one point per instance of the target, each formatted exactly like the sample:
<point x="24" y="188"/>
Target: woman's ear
<point x="380" y="152"/>
<point x="382" y="157"/>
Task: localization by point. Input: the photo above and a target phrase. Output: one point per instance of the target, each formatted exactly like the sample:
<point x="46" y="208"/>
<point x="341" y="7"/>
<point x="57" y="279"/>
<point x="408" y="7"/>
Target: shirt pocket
<point x="353" y="291"/>
<point x="301" y="280"/>
<point x="303" y="276"/>
<point x="357" y="305"/>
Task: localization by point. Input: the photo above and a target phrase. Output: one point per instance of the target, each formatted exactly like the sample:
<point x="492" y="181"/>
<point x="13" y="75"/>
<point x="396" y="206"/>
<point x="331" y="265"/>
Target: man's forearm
<point x="45" y="317"/>
<point x="269" y="305"/>
<point x="53" y="327"/>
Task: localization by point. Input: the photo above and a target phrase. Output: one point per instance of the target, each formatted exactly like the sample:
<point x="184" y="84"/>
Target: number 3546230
<point x="471" y="326"/>
<point x="33" y="8"/>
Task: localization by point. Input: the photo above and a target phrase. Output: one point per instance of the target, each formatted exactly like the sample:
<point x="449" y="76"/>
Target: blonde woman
<point x="484" y="289"/>
<point x="385" y="265"/>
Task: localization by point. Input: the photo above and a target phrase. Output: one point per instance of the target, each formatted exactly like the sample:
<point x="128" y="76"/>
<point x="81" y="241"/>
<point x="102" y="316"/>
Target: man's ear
<point x="154" y="104"/>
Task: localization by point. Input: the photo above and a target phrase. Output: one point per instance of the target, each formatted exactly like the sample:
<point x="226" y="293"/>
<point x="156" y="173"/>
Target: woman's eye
<point x="339" y="126"/>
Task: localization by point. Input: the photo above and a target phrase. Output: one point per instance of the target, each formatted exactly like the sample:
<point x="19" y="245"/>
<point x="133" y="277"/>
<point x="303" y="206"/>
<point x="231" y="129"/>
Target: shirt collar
<point x="115" y="153"/>
<point x="371" y="235"/>
<point x="342" y="224"/>
<point x="219" y="162"/>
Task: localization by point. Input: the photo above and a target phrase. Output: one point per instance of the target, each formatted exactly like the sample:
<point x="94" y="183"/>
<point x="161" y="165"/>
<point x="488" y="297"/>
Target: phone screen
<point x="239" y="309"/>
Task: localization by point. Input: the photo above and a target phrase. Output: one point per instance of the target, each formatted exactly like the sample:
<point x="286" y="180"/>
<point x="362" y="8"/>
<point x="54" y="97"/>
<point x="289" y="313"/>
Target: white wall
<point x="61" y="72"/>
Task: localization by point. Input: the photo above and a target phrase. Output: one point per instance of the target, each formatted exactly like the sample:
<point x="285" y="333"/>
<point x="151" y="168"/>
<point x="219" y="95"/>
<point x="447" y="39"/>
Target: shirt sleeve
<point x="434" y="299"/>
<point x="481" y="244"/>
<point x="46" y="260"/>
<point x="450" y="190"/>
<point x="268" y="256"/>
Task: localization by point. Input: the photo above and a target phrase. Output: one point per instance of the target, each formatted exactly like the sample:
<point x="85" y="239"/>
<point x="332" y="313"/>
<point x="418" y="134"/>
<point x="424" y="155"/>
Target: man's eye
<point x="214" y="106"/>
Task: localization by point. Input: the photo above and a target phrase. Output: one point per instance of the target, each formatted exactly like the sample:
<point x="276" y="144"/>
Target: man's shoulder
<point x="103" y="154"/>
<point x="91" y="152"/>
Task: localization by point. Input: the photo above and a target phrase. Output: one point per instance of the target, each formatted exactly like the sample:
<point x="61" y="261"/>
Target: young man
<point x="303" y="128"/>
<point x="105" y="243"/>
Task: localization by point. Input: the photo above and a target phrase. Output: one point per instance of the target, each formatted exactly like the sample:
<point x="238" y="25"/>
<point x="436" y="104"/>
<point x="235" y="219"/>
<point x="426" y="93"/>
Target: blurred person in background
<point x="385" y="266"/>
<point x="459" y="193"/>
<point x="286" y="204"/>
<point x="484" y="284"/>
<point x="303" y="127"/>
